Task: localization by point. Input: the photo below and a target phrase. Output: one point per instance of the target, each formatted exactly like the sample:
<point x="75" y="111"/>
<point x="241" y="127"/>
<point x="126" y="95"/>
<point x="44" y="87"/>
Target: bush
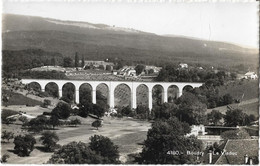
<point x="46" y="103"/>
<point x="46" y="113"/>
<point x="7" y="135"/>
<point x="127" y="111"/>
<point x="75" y="122"/>
<point x="49" y="140"/>
<point x="4" y="158"/>
<point x="62" y="110"/>
<point x="7" y="113"/>
<point x="96" y="123"/>
<point x="24" y="145"/>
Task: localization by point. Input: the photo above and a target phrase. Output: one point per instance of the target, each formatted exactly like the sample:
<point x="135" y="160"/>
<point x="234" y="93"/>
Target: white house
<point x="250" y="75"/>
<point x="197" y="130"/>
<point x="183" y="65"/>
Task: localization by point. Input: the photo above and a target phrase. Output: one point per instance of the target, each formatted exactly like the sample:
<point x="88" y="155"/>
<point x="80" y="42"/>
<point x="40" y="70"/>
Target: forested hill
<point x="99" y="41"/>
<point x="16" y="61"/>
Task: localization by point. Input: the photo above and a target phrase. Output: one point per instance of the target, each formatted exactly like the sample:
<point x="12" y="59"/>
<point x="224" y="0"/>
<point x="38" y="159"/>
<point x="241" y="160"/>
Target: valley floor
<point x="127" y="133"/>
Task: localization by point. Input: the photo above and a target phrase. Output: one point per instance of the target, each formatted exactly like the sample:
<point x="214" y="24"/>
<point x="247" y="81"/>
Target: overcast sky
<point x="230" y="22"/>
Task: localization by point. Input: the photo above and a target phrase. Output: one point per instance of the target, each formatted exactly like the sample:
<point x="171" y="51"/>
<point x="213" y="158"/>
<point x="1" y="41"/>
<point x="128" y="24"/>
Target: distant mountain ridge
<point x="99" y="41"/>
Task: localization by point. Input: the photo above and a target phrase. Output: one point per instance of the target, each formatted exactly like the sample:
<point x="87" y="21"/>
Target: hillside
<point x="99" y="41"/>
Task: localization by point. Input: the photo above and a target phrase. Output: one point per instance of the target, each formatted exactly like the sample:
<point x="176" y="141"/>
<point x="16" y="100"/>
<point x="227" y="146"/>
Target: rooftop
<point x="241" y="147"/>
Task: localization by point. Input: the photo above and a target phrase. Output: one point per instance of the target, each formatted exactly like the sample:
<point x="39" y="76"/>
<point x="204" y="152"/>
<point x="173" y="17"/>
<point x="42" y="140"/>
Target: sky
<point x="223" y="21"/>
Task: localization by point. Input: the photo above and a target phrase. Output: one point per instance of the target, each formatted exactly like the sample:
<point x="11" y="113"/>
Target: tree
<point x="54" y="121"/>
<point x="46" y="103"/>
<point x="7" y="135"/>
<point x="106" y="148"/>
<point x="75" y="122"/>
<point x="49" y="140"/>
<point x="75" y="153"/>
<point x="126" y="111"/>
<point x="101" y="67"/>
<point x="24" y="145"/>
<point x="76" y="60"/>
<point x="82" y="61"/>
<point x="67" y="62"/>
<point x="214" y="116"/>
<point x="38" y="124"/>
<point x="109" y="68"/>
<point x="235" y="134"/>
<point x="191" y="110"/>
<point x="142" y="112"/>
<point x="53" y="61"/>
<point x="139" y="69"/>
<point x="62" y="110"/>
<point x="233" y="76"/>
<point x="227" y="99"/>
<point x="234" y="118"/>
<point x="151" y="71"/>
<point x="165" y="111"/>
<point x="96" y="123"/>
<point x="166" y="137"/>
<point x="97" y="110"/>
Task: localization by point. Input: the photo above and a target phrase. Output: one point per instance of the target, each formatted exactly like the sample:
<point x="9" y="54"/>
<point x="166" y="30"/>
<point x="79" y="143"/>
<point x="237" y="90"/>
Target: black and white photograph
<point x="130" y="82"/>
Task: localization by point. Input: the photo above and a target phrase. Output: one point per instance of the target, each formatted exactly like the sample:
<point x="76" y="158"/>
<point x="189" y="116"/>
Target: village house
<point x="250" y="75"/>
<point x="183" y="65"/>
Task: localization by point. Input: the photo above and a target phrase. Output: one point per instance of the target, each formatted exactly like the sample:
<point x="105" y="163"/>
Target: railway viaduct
<point x="111" y="85"/>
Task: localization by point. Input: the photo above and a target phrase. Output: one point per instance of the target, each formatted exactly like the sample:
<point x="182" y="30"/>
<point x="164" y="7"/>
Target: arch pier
<point x="111" y="88"/>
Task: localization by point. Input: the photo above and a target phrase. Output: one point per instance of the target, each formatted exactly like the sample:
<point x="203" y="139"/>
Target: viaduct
<point x="111" y="85"/>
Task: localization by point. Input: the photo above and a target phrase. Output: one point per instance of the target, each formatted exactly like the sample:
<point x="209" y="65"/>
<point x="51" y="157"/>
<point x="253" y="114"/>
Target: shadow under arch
<point x="157" y="95"/>
<point x="173" y="93"/>
<point x="102" y="95"/>
<point x="52" y="89"/>
<point x="122" y="95"/>
<point x="85" y="93"/>
<point x="142" y="92"/>
<point x="68" y="92"/>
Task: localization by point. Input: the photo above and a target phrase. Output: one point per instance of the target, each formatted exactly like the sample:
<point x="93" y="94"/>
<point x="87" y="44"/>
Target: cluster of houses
<point x="233" y="151"/>
<point x="131" y="72"/>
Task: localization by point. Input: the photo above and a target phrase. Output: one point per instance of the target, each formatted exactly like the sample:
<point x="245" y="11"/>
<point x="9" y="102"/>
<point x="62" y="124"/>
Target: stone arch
<point x="187" y="88"/>
<point x="142" y="92"/>
<point x="34" y="86"/>
<point x="52" y="89"/>
<point x="157" y="94"/>
<point x="102" y="94"/>
<point x="68" y="92"/>
<point x="122" y="95"/>
<point x="85" y="93"/>
<point x="173" y="93"/>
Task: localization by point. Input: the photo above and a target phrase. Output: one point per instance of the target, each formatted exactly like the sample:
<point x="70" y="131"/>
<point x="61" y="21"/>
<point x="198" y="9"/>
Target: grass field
<point x="247" y="106"/>
<point x="19" y="99"/>
<point x="236" y="89"/>
<point x="127" y="133"/>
